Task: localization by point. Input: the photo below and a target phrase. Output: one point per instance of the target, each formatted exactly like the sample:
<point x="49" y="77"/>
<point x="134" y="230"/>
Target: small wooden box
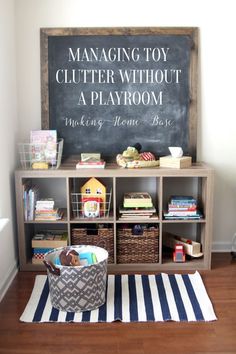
<point x="176" y="162"/>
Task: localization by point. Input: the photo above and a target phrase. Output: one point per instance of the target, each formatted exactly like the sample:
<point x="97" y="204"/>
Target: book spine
<point x="181" y="213"/>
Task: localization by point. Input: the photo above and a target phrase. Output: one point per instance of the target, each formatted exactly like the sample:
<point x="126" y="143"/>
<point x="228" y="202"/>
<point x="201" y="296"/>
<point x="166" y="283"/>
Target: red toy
<point x="179" y="254"/>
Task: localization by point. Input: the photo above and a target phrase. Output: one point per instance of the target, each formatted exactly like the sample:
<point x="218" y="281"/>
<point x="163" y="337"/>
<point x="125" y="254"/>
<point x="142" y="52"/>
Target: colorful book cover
<point x="44" y="145"/>
<point x="182" y="200"/>
<point x="91" y="164"/>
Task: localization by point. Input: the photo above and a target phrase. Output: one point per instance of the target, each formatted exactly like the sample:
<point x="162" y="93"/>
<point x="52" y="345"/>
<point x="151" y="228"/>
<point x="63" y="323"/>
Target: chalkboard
<point x="106" y="89"/>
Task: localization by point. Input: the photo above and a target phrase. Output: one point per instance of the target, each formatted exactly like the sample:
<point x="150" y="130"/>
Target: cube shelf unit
<point x="161" y="183"/>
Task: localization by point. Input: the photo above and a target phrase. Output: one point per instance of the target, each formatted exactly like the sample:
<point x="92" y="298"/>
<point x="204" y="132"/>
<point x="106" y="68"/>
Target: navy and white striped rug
<point x="131" y="298"/>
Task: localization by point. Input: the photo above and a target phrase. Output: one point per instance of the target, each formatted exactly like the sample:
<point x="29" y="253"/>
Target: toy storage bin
<point x="138" y="248"/>
<point x="77" y="289"/>
<point x="29" y="155"/>
<point x="101" y="236"/>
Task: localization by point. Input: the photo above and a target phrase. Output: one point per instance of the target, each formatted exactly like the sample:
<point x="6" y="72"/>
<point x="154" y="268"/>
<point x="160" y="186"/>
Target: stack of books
<point x="46" y="241"/>
<point x="45" y="210"/>
<point x="182" y="207"/>
<point x="137" y="205"/>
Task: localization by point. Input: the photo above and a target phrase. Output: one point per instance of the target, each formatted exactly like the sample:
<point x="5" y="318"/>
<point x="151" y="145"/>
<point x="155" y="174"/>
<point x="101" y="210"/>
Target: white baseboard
<point x="221" y="246"/>
<point x="8" y="280"/>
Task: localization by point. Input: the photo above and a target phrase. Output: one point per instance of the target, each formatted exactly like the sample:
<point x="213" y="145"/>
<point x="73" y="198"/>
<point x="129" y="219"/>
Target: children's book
<point x="44" y="146"/>
<point x="137" y="199"/>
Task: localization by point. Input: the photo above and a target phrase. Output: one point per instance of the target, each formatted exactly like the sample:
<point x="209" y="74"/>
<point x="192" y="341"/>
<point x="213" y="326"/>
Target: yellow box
<point x="176" y="162"/>
<point x="40" y="166"/>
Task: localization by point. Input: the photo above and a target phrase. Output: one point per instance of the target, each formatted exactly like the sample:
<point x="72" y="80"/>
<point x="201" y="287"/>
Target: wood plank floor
<point x="116" y="338"/>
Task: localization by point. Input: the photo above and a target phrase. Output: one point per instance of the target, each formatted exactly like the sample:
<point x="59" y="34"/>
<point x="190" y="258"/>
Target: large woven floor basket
<point x="102" y="237"/>
<point x="142" y="248"/>
<point x="77" y="289"/>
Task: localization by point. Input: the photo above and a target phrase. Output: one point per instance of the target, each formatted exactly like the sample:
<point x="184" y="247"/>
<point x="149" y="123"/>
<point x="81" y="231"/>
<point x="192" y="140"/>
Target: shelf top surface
<point x="68" y="169"/>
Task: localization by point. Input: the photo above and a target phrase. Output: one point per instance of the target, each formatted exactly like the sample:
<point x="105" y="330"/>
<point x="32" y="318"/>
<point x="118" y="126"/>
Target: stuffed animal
<point x="69" y="258"/>
<point x="133" y="158"/>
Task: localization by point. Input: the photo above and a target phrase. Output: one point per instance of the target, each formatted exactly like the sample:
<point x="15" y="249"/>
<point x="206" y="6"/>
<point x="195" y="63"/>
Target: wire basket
<point x="90" y="205"/>
<point x="40" y="155"/>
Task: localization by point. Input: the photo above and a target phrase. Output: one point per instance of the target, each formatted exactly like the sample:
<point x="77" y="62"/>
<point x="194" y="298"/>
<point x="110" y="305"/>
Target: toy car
<point x="179" y="254"/>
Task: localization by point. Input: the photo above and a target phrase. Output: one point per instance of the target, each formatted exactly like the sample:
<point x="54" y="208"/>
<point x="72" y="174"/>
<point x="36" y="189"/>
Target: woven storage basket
<point x="103" y="237"/>
<point x="77" y="289"/>
<point x="138" y="248"/>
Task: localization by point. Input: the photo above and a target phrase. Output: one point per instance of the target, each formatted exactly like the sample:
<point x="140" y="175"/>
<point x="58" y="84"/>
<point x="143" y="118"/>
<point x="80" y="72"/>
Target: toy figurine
<point x="69" y="258"/>
<point x="132" y="157"/>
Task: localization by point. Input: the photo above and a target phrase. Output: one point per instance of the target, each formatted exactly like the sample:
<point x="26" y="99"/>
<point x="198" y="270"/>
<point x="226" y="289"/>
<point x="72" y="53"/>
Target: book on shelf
<point x="137" y="199"/>
<point x="45" y="204"/>
<point x="30" y="195"/>
<point x="139" y="210"/>
<point x="91" y="164"/>
<point x="182" y="213"/>
<point x="43" y="146"/>
<point x="197" y="216"/>
<point x="182" y="200"/>
<point x="176" y="207"/>
<point x="51" y="214"/>
<point x="138" y="216"/>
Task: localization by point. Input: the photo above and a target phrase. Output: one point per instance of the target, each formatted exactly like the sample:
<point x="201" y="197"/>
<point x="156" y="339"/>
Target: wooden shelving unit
<point x="161" y="183"/>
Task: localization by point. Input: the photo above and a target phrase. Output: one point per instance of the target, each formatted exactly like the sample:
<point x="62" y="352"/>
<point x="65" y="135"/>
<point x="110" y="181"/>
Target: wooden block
<point x="176" y="162"/>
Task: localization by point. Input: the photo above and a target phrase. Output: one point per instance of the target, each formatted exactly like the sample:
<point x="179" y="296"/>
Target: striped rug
<point x="131" y="298"/>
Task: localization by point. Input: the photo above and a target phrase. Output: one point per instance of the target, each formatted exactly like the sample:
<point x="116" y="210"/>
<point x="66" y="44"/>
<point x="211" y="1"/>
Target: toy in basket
<point x="73" y="287"/>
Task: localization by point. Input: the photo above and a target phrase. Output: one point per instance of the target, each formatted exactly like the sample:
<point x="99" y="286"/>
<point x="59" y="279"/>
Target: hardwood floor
<point x="116" y="338"/>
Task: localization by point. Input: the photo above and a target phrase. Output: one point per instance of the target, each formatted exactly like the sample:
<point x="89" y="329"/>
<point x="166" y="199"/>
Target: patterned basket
<point x="138" y="248"/>
<point x="77" y="289"/>
<point x="102" y="237"/>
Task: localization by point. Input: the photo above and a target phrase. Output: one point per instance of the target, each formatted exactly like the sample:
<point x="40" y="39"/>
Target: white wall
<point x="8" y="129"/>
<point x="217" y="123"/>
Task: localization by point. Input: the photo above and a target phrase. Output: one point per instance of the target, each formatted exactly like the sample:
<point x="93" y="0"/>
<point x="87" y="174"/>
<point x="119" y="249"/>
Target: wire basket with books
<point x="43" y="151"/>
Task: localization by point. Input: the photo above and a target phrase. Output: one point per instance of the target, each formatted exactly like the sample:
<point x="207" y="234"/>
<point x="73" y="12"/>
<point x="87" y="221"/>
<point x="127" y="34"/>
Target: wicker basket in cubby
<point x="102" y="237"/>
<point x="142" y="248"/>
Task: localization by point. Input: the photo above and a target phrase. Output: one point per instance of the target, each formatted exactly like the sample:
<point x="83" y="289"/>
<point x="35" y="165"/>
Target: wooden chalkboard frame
<point x="192" y="32"/>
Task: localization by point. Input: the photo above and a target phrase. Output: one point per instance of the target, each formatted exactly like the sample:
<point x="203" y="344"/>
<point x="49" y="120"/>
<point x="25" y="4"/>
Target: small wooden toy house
<point x="93" y="198"/>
